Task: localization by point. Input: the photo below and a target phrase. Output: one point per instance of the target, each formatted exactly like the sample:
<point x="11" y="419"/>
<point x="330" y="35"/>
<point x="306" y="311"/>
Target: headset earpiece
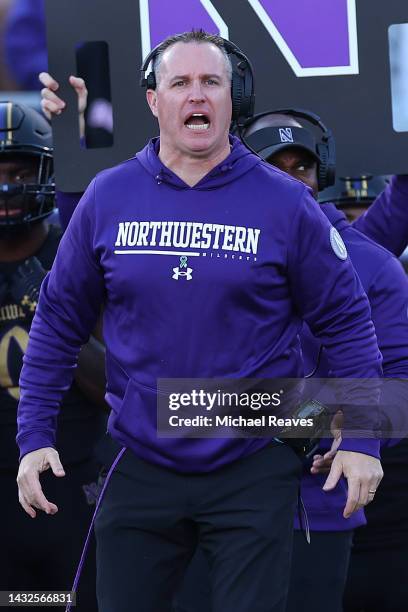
<point x="323" y="165"/>
<point x="236" y="95"/>
<point x="242" y="85"/>
<point x="151" y="81"/>
<point x="328" y="177"/>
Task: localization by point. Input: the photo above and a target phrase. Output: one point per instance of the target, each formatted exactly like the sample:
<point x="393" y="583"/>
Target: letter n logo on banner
<point x="317" y="37"/>
<point x="160" y="19"/>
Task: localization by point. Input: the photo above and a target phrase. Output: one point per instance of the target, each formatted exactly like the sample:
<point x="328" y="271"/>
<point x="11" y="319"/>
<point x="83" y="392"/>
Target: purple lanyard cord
<point x="88" y="537"/>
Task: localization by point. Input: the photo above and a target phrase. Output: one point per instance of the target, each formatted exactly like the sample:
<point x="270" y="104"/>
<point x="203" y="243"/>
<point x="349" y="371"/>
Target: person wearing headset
<point x="319" y="570"/>
<point x="235" y="313"/>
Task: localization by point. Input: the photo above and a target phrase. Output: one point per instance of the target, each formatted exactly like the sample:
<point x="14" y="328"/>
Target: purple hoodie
<point x="25" y="42"/>
<point x="261" y="260"/>
<point x="66" y="204"/>
<point x="386" y="220"/>
<point x="386" y="285"/>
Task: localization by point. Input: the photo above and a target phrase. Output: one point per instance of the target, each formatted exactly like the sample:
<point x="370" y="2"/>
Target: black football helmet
<point x="348" y="192"/>
<point x="25" y="133"/>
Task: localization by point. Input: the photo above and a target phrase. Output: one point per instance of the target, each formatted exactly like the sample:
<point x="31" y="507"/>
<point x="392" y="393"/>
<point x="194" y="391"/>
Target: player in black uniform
<point x="42" y="554"/>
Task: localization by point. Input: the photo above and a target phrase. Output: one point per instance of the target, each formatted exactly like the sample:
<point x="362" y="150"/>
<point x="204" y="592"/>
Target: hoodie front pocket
<point x="137" y="416"/>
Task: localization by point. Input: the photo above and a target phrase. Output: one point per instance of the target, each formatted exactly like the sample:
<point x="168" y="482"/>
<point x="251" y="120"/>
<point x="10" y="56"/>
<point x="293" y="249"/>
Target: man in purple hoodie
<point x="255" y="272"/>
<point x="386" y="286"/>
<point x="386" y="220"/>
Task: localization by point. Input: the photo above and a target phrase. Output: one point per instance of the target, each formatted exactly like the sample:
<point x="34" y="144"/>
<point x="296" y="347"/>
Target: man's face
<point x="193" y="99"/>
<point x="298" y="163"/>
<point x="16" y="170"/>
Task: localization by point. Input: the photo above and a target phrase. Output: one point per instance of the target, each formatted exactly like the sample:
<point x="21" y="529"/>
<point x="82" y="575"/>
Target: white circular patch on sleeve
<point x="337" y="244"/>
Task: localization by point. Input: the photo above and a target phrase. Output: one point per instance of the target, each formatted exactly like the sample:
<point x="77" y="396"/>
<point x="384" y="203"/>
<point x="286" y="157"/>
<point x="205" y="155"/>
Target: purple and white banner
<point x="317" y="38"/>
<point x="338" y="58"/>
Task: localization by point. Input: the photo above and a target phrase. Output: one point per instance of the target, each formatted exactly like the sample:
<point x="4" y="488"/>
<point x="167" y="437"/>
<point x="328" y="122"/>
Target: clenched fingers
<point x="48" y="81"/>
<point x="322" y="463"/>
<point x="51" y="104"/>
<point x="26" y="506"/>
<point x="77" y="83"/>
<point x="31" y="494"/>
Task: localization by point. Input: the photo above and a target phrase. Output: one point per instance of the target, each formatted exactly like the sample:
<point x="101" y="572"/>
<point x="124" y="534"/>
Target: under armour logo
<point x="180" y="271"/>
<point x="286" y="135"/>
<point x="93" y="490"/>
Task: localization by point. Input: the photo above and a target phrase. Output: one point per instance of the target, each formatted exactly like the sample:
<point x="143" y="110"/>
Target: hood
<point x="238" y="162"/>
<point x="336" y="217"/>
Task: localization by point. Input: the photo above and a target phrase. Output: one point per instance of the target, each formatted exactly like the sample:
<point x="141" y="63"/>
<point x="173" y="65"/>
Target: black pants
<point x="152" y="519"/>
<point x="43" y="553"/>
<point x="195" y="590"/>
<point x="378" y="581"/>
<point x="317" y="576"/>
<point x="319" y="571"/>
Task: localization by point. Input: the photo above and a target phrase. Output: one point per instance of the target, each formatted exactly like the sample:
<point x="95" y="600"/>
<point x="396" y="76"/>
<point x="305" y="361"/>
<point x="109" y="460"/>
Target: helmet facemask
<point x="30" y="200"/>
<point x="26" y="147"/>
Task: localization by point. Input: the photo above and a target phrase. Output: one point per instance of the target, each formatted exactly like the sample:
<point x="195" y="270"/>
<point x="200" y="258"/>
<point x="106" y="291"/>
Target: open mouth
<point x="198" y="122"/>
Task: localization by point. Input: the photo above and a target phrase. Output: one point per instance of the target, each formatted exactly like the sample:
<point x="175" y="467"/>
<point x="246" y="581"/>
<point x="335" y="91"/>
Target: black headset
<point x="326" y="149"/>
<point x="242" y="83"/>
